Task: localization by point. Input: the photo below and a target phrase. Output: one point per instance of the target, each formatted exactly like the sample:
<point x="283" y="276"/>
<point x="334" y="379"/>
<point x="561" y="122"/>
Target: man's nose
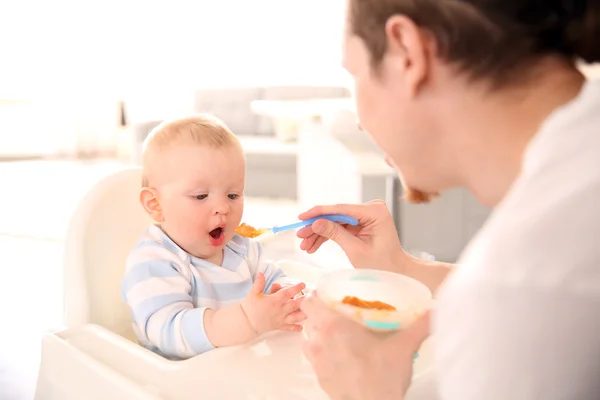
<point x="389" y="161"/>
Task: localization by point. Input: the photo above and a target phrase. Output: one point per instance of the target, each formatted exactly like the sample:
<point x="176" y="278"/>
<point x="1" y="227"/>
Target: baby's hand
<point x="274" y="288"/>
<point x="277" y="310"/>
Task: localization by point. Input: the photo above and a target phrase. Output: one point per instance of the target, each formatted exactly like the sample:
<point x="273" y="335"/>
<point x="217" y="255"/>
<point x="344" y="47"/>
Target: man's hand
<point x="353" y="362"/>
<point x="373" y="243"/>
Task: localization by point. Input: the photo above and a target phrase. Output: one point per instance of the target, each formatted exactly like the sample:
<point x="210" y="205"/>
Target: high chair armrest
<point x="88" y="362"/>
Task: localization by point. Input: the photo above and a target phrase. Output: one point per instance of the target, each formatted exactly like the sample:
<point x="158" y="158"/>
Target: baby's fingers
<point x="295" y="317"/>
<point x="292" y="305"/>
<point x="274" y="288"/>
<point x="290" y="292"/>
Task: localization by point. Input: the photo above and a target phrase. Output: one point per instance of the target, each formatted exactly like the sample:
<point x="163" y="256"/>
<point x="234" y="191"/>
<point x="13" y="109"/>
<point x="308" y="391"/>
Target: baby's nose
<point x="222" y="208"/>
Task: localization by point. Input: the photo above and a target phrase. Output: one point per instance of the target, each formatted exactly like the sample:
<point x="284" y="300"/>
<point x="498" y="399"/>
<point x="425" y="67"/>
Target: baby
<point x="191" y="282"/>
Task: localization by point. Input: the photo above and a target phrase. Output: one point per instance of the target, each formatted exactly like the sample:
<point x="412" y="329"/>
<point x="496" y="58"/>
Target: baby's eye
<point x="233" y="196"/>
<point x="201" y="196"/>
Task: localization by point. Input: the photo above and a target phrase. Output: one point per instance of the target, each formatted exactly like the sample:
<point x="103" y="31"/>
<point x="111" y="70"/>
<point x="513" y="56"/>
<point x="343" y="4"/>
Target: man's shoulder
<point x="543" y="235"/>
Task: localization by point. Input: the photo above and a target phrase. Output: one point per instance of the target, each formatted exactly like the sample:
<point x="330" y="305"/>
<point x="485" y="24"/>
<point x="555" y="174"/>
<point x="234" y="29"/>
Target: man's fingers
<point x="320" y="240"/>
<point x="335" y="232"/>
<point x="377" y="201"/>
<point x="311" y="351"/>
<point x="312" y="243"/>
<point x="353" y="210"/>
<point x="305" y="232"/>
<point x="415" y="334"/>
<point x="317" y="311"/>
<point x="307" y="243"/>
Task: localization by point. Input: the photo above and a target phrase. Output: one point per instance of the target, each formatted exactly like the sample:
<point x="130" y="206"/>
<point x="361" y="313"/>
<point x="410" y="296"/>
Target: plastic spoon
<point x="339" y="218"/>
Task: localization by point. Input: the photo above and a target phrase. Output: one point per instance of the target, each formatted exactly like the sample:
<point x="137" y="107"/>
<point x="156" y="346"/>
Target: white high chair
<point x="103" y="230"/>
<point x="97" y="357"/>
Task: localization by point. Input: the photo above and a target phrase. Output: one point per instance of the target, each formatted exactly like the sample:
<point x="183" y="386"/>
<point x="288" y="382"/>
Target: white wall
<point x="88" y="55"/>
<point x="123" y="46"/>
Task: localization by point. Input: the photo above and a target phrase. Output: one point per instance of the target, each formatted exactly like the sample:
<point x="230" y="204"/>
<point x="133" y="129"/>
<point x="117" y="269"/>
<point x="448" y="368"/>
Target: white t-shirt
<point x="519" y="319"/>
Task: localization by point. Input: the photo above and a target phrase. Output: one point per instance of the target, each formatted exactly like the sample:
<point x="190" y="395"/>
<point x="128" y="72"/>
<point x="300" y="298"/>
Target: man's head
<point x="415" y="62"/>
<point x="193" y="182"/>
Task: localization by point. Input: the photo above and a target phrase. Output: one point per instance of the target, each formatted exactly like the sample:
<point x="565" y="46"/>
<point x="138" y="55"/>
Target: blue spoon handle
<point x="342" y="219"/>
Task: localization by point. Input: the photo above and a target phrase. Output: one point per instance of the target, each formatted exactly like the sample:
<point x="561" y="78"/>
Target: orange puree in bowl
<point x="370" y="305"/>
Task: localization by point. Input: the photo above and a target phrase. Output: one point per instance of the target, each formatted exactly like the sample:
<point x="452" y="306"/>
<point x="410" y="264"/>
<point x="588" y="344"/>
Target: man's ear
<point x="150" y="202"/>
<point x="408" y="52"/>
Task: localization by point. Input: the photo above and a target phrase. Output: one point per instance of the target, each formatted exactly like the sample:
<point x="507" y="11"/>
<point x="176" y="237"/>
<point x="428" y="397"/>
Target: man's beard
<point x="417" y="197"/>
<point x="412" y="195"/>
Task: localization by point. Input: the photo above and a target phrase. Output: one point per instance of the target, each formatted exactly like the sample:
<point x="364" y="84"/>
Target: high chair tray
<point x="91" y="363"/>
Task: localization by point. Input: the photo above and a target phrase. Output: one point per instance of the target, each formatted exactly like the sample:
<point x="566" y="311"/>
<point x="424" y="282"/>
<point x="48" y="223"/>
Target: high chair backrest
<point x="103" y="229"/>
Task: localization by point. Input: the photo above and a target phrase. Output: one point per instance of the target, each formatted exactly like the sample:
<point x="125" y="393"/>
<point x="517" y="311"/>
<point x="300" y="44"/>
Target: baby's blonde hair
<point x="200" y="129"/>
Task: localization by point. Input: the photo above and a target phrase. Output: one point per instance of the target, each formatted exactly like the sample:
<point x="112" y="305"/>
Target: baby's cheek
<point x="236" y="215"/>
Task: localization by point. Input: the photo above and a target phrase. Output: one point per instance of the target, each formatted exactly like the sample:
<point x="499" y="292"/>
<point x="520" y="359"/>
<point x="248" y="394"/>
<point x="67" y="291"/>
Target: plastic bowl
<point x="410" y="297"/>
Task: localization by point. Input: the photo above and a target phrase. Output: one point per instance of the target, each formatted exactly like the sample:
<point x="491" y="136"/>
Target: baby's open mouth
<point x="216" y="233"/>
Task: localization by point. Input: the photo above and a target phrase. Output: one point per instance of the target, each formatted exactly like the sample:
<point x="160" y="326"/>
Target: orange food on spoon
<point x="370" y="305"/>
<point x="248" y="231"/>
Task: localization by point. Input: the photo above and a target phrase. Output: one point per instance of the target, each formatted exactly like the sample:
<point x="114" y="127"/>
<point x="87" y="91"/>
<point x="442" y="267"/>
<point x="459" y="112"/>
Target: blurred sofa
<point x="271" y="159"/>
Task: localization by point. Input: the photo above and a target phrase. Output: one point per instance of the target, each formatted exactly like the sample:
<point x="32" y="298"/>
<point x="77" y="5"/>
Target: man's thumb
<point x="333" y="231"/>
<point x="259" y="284"/>
<point x="416" y="333"/>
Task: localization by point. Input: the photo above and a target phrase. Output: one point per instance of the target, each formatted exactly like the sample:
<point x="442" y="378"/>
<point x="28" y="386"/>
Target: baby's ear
<point x="149" y="200"/>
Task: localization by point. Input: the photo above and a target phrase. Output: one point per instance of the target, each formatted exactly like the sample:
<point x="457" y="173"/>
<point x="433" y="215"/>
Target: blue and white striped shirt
<point x="168" y="290"/>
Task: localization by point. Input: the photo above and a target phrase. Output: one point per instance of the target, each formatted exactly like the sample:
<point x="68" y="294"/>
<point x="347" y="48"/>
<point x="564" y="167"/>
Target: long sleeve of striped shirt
<point x="168" y="290"/>
<point x="159" y="293"/>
